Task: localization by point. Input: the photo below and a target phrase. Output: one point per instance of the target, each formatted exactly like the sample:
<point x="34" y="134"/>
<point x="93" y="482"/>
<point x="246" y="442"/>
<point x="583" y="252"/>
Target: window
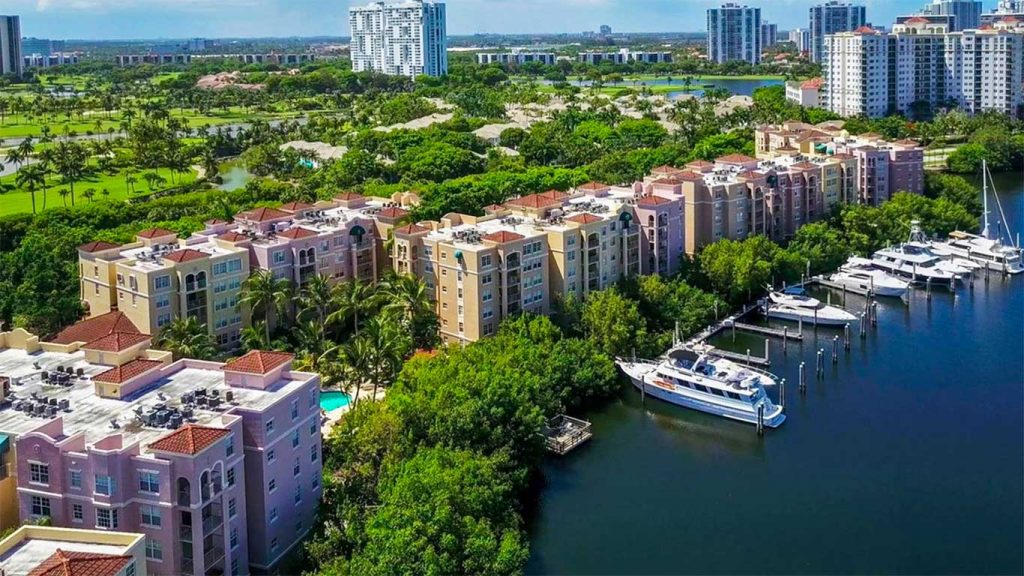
<point x="295" y="468"/>
<point x="273" y="546"/>
<point x="40" y="506"/>
<point x="272" y="485"/>
<point x="163" y="320"/>
<point x="150" y="515"/>
<point x="232" y="508"/>
<point x="279" y="257"/>
<point x="271" y="456"/>
<point x="295" y="439"/>
<point x="234" y="537"/>
<point x="234" y="566"/>
<point x="163" y="301"/>
<point x="231" y="476"/>
<point x="77" y="514"/>
<point x="106" y="518"/>
<point x="295" y="409"/>
<point x="314" y="453"/>
<point x="40" y="473"/>
<point x="315" y="484"/>
<point x="486" y="279"/>
<point x="270" y="427"/>
<point x="231" y="445"/>
<point x="149" y="482"/>
<point x="312" y="429"/>
<point x="76" y="479"/>
<point x="162" y="282"/>
<point x="104" y="485"/>
<point x="298" y="495"/>
<point x="130" y="570"/>
<point x="154" y="551"/>
<point x="273" y="516"/>
<point x="486" y="261"/>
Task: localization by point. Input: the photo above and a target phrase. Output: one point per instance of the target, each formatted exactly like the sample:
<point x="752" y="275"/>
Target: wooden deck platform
<point x="563" y="434"/>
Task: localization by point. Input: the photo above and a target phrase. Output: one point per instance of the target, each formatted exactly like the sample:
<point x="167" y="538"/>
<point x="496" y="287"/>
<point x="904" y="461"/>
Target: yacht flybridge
<point x="698" y="380"/>
<point x="916" y="263"/>
<point x="860" y="274"/>
<point x="794" y="305"/>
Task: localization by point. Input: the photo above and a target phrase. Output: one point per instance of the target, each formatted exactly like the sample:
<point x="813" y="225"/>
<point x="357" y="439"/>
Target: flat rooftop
<point x="31" y="552"/>
<point x="92" y="414"/>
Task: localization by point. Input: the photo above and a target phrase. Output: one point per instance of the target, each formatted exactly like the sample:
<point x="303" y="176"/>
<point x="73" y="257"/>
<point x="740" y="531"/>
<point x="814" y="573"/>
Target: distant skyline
<point x="152" y="19"/>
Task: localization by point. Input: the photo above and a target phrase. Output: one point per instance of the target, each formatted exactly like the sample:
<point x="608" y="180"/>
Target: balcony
<point x="212" y="556"/>
<point x="211" y="523"/>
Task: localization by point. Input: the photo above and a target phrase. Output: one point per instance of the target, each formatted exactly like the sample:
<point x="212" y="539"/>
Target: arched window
<point x="184" y="492"/>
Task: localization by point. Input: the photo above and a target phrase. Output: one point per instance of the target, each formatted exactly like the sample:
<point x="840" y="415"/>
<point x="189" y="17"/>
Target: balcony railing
<point x="211" y="523"/>
<point x="212" y="556"/>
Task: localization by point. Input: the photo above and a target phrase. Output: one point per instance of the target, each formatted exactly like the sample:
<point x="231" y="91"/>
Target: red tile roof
<point x="295" y="206"/>
<point x="186" y="255"/>
<point x="393" y="213"/>
<point x="813" y="83"/>
<point x="190" y="439"/>
<point x="1010" y="19"/>
<point x="664" y="169"/>
<point x="232" y="236"/>
<point x="533" y="201"/>
<point x="297" y="233"/>
<point x="670" y="181"/>
<point x="805" y="166"/>
<point x="554" y="195"/>
<point x="62" y="563"/>
<point x="155" y="233"/>
<point x="652" y="201"/>
<point x="117" y="341"/>
<point x="349" y="196"/>
<point x="593" y="186"/>
<point x="258" y="362"/>
<point x="262" y="215"/>
<point x="125" y="372"/>
<point x="411" y="229"/>
<point x="916" y="20"/>
<point x="864" y="30"/>
<point x="736" y="159"/>
<point x="95" y="328"/>
<point x="503" y="236"/>
<point x="97" y="246"/>
<point x="584" y="218"/>
<point x="216" y="221"/>
<point x="700" y="164"/>
<point x="691" y="176"/>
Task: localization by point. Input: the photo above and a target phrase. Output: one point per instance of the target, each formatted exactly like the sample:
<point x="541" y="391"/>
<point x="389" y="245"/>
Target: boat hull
<point x="877" y="289"/>
<point x="772" y="420"/>
<point x="820" y="321"/>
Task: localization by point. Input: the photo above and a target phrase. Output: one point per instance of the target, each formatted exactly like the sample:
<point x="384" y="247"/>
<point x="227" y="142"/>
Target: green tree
<point x="70" y="162"/>
<point x="267" y="296"/>
<point x="614" y="323"/>
<point x="31" y="178"/>
<point x="187" y="338"/>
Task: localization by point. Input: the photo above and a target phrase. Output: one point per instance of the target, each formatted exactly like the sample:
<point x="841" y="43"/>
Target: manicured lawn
<point x="20" y="201"/>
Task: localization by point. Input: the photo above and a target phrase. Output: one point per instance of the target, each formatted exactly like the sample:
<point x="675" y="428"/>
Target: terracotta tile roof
<point x="258" y="362"/>
<point x="297" y="233"/>
<point x="186" y="255"/>
<point x="805" y="166"/>
<point x="691" y="176"/>
<point x="584" y="218"/>
<point x="700" y="164"/>
<point x="864" y="30"/>
<point x="190" y="439"/>
<point x="1010" y="19"/>
<point x="735" y="159"/>
<point x="155" y="233"/>
<point x="295" y="206"/>
<point x="97" y="246"/>
<point x="554" y="195"/>
<point x="916" y="20"/>
<point x="411" y="229"/>
<point x="533" y="201"/>
<point x="665" y="169"/>
<point x="669" y="181"/>
<point x="95" y="328"/>
<point x="216" y="221"/>
<point x="125" y="372"/>
<point x="593" y="186"/>
<point x="393" y="212"/>
<point x="503" y="236"/>
<point x="232" y="236"/>
<point x="262" y="215"/>
<point x="349" y="196"/>
<point x="117" y="341"/>
<point x="652" y="201"/>
<point x="62" y="563"/>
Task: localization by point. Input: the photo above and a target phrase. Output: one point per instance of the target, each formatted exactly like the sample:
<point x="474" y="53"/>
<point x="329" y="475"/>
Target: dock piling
<point x="835" y="349"/>
<point x="821" y="362"/>
<point x="782" y="393"/>
<point x="863" y="325"/>
<point x="874" y="313"/>
<point x="766" y="357"/>
<point x="748" y="356"/>
<point x="846" y="337"/>
<point x="785" y="339"/>
<point x="760" y="420"/>
<point x="928" y="287"/>
<point x="802" y="383"/>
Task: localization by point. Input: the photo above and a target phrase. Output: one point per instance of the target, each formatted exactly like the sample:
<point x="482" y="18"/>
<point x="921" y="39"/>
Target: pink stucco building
<point x="218" y="465"/>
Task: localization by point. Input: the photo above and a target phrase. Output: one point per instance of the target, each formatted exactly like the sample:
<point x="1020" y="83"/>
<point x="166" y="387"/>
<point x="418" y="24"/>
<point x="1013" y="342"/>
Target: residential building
<point x="734" y="33"/>
<point x="217" y="464"/>
<point x="1014" y="8"/>
<point x="832" y="18"/>
<point x="403" y="39"/>
<point x="606" y="30"/>
<point x="197" y="45"/>
<point x="10" y="45"/>
<point x="737" y="196"/>
<point x="151" y="58"/>
<point x="921" y="65"/>
<point x="882" y="168"/>
<point x="966" y="14"/>
<point x="532" y="251"/>
<point x="517" y="57"/>
<point x="769" y="35"/>
<point x="623" y="56"/>
<point x="49" y="551"/>
<point x="801" y="37"/>
<point x="40" y="46"/>
<point x="280" y="59"/>
<point x="805" y="92"/>
<point x="48" y="61"/>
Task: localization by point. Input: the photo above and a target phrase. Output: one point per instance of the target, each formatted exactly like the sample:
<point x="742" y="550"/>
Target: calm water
<point x="907" y="458"/>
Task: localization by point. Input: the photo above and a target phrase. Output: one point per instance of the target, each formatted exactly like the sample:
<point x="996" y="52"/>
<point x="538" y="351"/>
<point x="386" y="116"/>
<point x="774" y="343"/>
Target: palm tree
<point x="356" y="357"/>
<point x="15" y="156"/>
<point x="187" y="338"/>
<point x="407" y="297"/>
<point x="70" y="162"/>
<point x="255" y="337"/>
<point x="64" y="196"/>
<point x="31" y="178"/>
<point x="388" y="346"/>
<point x="315" y="296"/>
<point x="350" y="298"/>
<point x="89" y="194"/>
<point x="261" y="291"/>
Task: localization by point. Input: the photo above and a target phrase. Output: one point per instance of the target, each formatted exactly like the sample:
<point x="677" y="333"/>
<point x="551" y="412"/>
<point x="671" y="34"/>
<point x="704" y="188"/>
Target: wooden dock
<point x="563" y="434"/>
<point x="765" y="331"/>
<point x="751" y="360"/>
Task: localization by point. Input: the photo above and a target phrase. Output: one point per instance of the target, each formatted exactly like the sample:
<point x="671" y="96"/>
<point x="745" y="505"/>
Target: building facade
<point x="217" y="465"/>
<point x="49" y="61"/>
<point x="806" y="93"/>
<point x="801" y="37"/>
<point x="623" y="56"/>
<point x="734" y="33"/>
<point x="10" y="46"/>
<point x="769" y="35"/>
<point x="832" y="18"/>
<point x="515" y="58"/>
<point x="404" y="39"/>
<point x="966" y="14"/>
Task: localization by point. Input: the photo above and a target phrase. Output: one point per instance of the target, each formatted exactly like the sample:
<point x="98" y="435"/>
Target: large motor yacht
<point x="916" y="265"/>
<point x="860" y="274"/>
<point x="794" y="305"/>
<point x="698" y="380"/>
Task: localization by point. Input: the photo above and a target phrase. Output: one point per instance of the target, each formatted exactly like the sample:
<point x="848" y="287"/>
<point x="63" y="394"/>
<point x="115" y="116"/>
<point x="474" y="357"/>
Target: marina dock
<point x="563" y="434"/>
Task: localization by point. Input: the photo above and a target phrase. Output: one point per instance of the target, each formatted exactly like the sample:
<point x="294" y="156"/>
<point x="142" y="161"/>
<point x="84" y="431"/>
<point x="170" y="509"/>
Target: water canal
<point x="908" y="457"/>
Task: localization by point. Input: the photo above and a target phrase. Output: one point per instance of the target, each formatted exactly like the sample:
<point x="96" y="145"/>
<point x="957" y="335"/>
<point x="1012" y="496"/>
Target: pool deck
<point x="334" y="416"/>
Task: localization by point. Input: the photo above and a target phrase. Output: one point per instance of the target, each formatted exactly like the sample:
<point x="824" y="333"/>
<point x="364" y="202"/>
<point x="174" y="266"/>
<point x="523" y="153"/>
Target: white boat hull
<point x="771" y="419"/>
<point x="876" y="288"/>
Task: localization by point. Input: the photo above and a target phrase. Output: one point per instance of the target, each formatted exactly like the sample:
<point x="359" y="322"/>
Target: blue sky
<point x="97" y="19"/>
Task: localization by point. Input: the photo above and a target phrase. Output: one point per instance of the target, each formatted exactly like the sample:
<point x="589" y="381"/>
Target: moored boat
<point x="794" y="305"/>
<point x="860" y="274"/>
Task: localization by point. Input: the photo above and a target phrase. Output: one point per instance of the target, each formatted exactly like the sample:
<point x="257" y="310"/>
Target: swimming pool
<point x="333" y="400"/>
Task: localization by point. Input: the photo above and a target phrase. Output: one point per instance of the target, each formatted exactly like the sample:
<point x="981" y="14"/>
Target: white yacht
<point x="859" y="273"/>
<point x="916" y="265"/>
<point x="919" y="243"/>
<point x="700" y="381"/>
<point x="794" y="305"/>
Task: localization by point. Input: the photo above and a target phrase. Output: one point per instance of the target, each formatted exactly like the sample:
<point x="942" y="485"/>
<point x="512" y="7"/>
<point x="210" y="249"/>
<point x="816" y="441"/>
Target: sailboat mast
<point x="984" y="196"/>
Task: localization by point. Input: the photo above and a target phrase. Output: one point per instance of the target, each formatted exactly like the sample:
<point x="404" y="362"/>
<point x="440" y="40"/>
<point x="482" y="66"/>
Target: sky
<point x="145" y="19"/>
